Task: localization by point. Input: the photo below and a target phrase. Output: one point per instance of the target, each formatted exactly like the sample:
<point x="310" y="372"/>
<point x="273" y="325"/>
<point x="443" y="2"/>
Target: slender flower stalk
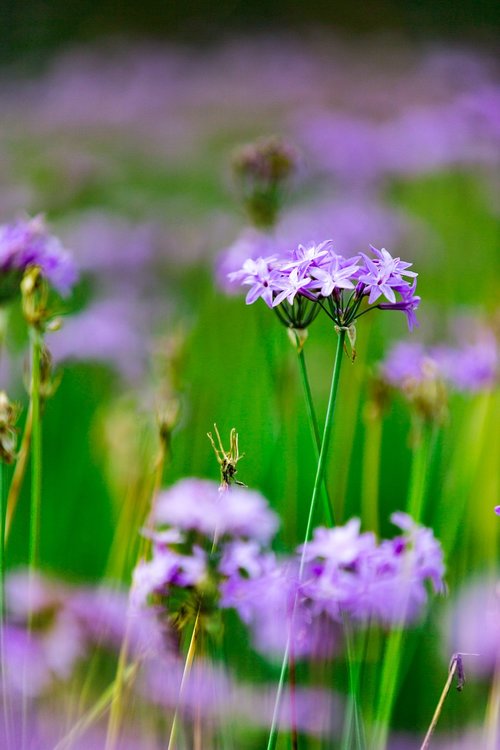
<point x="455" y="671"/>
<point x="424" y="445"/>
<point x="36" y="449"/>
<point x="320" y="472"/>
<point x="371" y="472"/>
<point x="353" y="716"/>
<point x="313" y="423"/>
<point x="119" y="684"/>
<point x="19" y="474"/>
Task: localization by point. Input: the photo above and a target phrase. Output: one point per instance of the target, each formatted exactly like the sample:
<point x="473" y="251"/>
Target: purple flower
<point x="472" y="366"/>
<point x="288" y="286"/>
<point x="56" y="641"/>
<point x="269" y="604"/>
<point x="249" y="245"/>
<point x="347" y="573"/>
<point x="199" y="505"/>
<point x="294" y="281"/>
<point x="383" y="275"/>
<point x="337" y="275"/>
<point x="27" y="242"/>
<point x="407" y="362"/>
<point x="497" y="510"/>
<point x="409" y="303"/>
<point x="259" y="275"/>
<point x="166" y="569"/>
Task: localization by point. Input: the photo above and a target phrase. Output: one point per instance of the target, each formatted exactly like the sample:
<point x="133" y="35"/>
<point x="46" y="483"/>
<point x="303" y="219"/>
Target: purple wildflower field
<point x="249" y="395"/>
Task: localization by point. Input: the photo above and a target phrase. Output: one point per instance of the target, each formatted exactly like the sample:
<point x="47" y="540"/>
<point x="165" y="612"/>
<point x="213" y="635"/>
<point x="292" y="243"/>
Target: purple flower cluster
<point x="346" y="573"/>
<point x="66" y="623"/>
<point x="203" y="533"/>
<point x="27" y="242"/>
<point x="471" y="367"/>
<point x="214" y="545"/>
<point x="311" y="277"/>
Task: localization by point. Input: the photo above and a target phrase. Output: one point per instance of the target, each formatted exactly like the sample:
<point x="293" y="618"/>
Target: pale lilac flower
<point x="287" y="287"/>
<point x="259" y="275"/>
<point x="472" y="366"/>
<point x="243" y="557"/>
<point x="408" y="362"/>
<point x="336" y="275"/>
<point x="166" y="569"/>
<point x="383" y="275"/>
<point x="269" y="604"/>
<point x="27" y="242"/>
<point x="250" y="244"/>
<point x="408" y="304"/>
<point x="304" y="256"/>
<point x="294" y="283"/>
<point x="497" y="510"/>
<point x="33" y="660"/>
<point x="198" y="505"/>
<point x="347" y="573"/>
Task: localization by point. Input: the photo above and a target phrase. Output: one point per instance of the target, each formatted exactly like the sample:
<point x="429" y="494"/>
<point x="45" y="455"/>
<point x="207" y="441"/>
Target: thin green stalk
<point x="353" y="710"/>
<point x="2" y="544"/>
<point x="424" y="447"/>
<point x="371" y="473"/>
<point x="313" y="423"/>
<point x="36" y="450"/>
<point x="320" y="473"/>
<point x="325" y="442"/>
<point x="185" y="674"/>
<point x="5" y="692"/>
<point x="426" y="438"/>
<point x="96" y="712"/>
<point x="19" y="473"/>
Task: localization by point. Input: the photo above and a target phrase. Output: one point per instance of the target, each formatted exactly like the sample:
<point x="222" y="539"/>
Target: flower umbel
<point x="311" y="277"/>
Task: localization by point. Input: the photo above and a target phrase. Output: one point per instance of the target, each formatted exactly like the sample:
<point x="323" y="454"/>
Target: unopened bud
<point x="8" y="433"/>
<point x="263" y="171"/>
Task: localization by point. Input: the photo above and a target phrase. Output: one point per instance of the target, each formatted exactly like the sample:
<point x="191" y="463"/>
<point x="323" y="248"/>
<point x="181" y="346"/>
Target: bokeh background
<point x="119" y="123"/>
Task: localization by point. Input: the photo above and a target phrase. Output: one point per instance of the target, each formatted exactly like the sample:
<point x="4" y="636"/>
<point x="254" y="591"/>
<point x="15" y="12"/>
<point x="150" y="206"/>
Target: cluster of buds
<point x="263" y="171"/>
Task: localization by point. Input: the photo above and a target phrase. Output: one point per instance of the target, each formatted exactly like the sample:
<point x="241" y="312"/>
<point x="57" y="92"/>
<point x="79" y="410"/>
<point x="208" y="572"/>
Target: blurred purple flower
<point x="199" y="505"/>
<point x="472" y="366"/>
<point x="33" y="660"/>
<point x="27" y="242"/>
<point x="112" y="331"/>
<point x="347" y="573"/>
<point x="469" y="367"/>
<point x="407" y="362"/>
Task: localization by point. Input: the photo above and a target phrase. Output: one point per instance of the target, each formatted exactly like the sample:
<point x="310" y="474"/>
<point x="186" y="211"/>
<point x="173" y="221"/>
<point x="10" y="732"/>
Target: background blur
<point x="118" y="122"/>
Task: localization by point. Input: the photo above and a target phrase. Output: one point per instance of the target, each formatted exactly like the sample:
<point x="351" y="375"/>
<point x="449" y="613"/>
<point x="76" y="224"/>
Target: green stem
<point x="371" y="473"/>
<point x="325" y="442"/>
<point x="320" y="473"/>
<point x="313" y="424"/>
<point x="36" y="450"/>
<point x="424" y="446"/>
<point x="2" y="544"/>
<point x="426" y="438"/>
<point x="353" y="709"/>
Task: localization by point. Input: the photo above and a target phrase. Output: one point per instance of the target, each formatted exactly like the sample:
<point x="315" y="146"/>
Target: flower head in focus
<point x="301" y="282"/>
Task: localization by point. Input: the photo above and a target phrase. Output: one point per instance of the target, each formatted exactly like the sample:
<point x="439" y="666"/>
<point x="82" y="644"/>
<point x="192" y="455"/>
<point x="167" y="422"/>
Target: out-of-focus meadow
<point x="126" y="148"/>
